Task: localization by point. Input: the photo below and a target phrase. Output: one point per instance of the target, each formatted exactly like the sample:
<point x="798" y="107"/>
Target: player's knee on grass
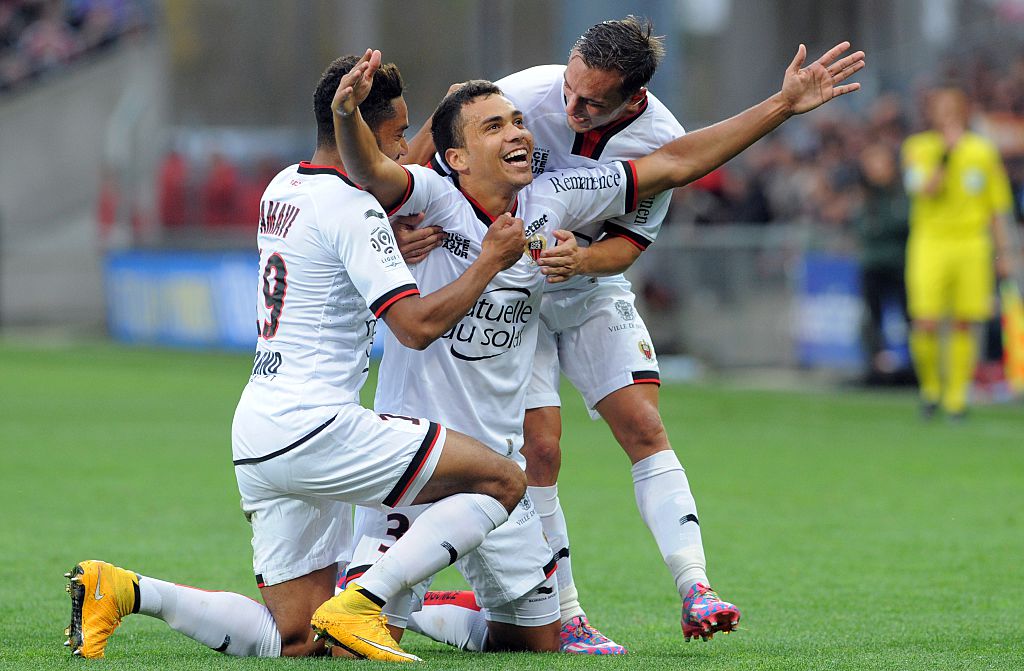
<point x="503" y="637"/>
<point x="292" y="604"/>
<point x="297" y="638"/>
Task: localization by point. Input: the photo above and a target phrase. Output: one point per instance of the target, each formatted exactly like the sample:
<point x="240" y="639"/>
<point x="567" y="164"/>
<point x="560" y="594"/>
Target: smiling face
<point x="390" y="132"/>
<point x="497" y="147"/>
<point x="593" y="97"/>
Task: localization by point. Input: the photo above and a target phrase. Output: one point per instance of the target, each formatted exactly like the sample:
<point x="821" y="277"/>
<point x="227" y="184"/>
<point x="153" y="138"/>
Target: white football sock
<point x="557" y="534"/>
<point x="447" y="530"/>
<point x="225" y="621"/>
<point x="667" y="507"/>
<point x="453" y="618"/>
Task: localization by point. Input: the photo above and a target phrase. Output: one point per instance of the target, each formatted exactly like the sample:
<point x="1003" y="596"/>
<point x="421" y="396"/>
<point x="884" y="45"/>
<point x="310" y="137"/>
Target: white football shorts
<point x="297" y="499"/>
<point x="511" y="573"/>
<point x="596" y="337"/>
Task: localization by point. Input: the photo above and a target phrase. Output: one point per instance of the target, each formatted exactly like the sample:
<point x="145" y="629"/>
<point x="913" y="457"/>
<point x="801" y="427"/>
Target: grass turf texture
<point x="852" y="534"/>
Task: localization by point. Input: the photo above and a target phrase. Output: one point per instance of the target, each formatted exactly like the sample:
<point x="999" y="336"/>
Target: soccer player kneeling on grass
<point x="304" y="450"/>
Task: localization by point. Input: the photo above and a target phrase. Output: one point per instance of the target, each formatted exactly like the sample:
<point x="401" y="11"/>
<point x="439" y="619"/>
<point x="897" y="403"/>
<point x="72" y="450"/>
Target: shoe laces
<point x="700" y="597"/>
<point x="582" y="630"/>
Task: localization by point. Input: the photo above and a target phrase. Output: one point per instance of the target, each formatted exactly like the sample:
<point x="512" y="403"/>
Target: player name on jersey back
<point x="329" y="267"/>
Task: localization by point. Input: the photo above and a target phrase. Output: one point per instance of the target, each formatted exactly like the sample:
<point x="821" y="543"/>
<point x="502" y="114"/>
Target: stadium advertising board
<point x="182" y="299"/>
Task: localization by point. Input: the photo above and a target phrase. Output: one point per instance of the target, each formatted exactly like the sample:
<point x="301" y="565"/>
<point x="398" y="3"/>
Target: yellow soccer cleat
<point x="101" y="594"/>
<point x="354" y="622"/>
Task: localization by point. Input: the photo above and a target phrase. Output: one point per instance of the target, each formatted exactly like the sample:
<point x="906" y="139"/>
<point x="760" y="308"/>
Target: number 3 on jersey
<point x="275" y="285"/>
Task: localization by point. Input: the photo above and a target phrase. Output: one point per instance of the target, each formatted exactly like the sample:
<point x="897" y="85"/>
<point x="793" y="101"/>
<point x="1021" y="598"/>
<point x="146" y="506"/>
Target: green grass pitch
<point x="851" y="534"/>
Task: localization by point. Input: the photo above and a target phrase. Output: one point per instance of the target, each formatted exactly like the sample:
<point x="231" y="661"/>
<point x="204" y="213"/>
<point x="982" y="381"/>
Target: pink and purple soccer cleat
<point x="704" y="614"/>
<point x="579" y="638"/>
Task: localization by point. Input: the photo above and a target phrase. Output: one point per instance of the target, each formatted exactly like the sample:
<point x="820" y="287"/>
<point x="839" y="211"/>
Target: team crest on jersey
<point x="646" y="349"/>
<point x="383" y="242"/>
<point x="535" y="244"/>
<point x="625" y="310"/>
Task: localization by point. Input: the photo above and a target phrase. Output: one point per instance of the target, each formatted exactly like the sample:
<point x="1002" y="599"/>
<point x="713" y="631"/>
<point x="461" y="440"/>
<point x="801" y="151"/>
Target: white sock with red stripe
<point x="225" y="621"/>
<point x="453" y="618"/>
<point x="447" y="530"/>
<point x="557" y="534"/>
<point x="667" y="507"/>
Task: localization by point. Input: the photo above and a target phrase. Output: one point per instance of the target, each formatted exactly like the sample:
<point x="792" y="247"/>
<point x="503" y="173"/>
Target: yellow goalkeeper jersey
<point x="975" y="186"/>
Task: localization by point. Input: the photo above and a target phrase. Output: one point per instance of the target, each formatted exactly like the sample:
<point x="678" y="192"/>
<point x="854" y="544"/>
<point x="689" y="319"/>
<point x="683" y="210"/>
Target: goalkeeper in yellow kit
<point x="960" y="204"/>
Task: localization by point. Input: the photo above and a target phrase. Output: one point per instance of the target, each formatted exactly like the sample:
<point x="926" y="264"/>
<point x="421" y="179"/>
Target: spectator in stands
<point x="172" y="191"/>
<point x="49" y="42"/>
<point x="881" y="226"/>
<point x="220" y="193"/>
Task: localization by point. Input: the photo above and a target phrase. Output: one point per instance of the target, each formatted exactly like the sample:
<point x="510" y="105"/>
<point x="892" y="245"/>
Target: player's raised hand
<point x="505" y="241"/>
<point x="356" y="84"/>
<point x="804" y="88"/>
<point x="562" y="261"/>
<point x="415" y="243"/>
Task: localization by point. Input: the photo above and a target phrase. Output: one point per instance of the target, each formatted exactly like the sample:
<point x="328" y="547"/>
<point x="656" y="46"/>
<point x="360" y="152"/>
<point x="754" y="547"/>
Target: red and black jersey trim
<point x="409" y="186"/>
<point x="259" y="581"/>
<point x="379" y="306"/>
<point x="646" y="377"/>
<point x="632" y="193"/>
<point x="300" y="441"/>
<point x="593" y="142"/>
<point x="614" y="230"/>
<point x="307" y="168"/>
<point x="551" y="567"/>
<point x="482" y="214"/>
<point x="415" y="466"/>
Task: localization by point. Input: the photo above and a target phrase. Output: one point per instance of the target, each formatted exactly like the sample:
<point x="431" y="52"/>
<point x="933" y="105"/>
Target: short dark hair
<point x="627" y="46"/>
<point x="378" y="106"/>
<point x="446" y="128"/>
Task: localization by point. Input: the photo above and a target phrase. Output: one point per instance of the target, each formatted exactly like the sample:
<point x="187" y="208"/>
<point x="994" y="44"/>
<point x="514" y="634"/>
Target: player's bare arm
<point x="417" y="321"/>
<point x="363" y="160"/>
<point x="606" y="257"/>
<point x="803" y="89"/>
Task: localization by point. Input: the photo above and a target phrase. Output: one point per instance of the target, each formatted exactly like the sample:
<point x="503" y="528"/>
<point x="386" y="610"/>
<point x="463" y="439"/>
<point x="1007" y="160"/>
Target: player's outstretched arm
<point x="803" y="88"/>
<point x="418" y="321"/>
<point x="364" y="162"/>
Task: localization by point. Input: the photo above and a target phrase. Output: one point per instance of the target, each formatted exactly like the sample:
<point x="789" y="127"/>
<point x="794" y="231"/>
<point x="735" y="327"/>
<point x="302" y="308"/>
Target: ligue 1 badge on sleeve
<point x="535" y="244"/>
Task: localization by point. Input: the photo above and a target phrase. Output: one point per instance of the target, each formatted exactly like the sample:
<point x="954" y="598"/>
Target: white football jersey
<point x="537" y="93"/>
<point x="474" y="378"/>
<point x="329" y="268"/>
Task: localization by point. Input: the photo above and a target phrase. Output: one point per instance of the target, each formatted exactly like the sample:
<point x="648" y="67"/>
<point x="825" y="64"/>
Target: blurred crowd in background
<point x="831" y="169"/>
<point x="39" y="37"/>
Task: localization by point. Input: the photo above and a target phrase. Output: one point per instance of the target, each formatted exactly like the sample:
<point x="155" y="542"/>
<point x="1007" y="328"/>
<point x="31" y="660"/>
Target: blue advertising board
<point x="830" y="314"/>
<point x="182" y="299"/>
<point x="196" y="300"/>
